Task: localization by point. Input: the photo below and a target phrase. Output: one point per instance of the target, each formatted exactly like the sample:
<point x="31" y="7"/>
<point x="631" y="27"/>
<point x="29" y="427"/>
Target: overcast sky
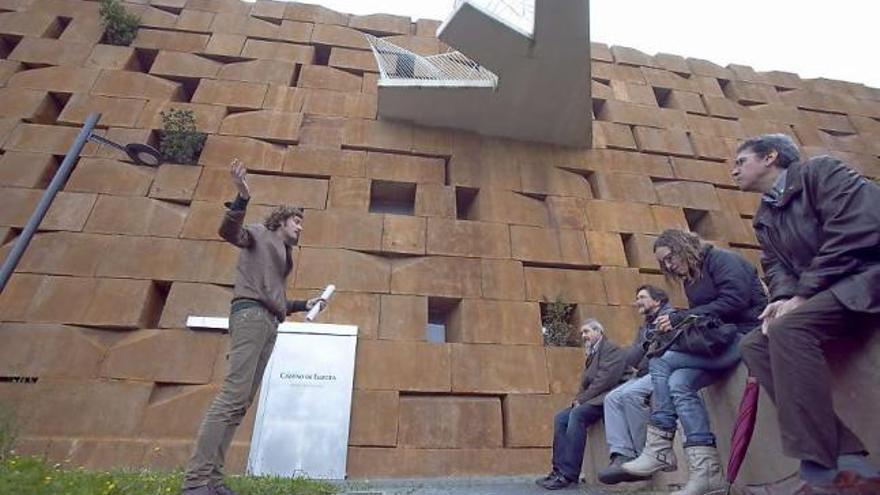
<point x="834" y="39"/>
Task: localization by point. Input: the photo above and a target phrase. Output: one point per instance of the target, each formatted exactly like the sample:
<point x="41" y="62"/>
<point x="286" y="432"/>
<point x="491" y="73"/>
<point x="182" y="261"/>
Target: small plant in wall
<point x="556" y="324"/>
<point x="180" y="141"/>
<point x="120" y="26"/>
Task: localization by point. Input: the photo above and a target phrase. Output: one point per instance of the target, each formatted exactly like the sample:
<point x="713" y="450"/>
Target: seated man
<point x="603" y="369"/>
<point x="627" y="406"/>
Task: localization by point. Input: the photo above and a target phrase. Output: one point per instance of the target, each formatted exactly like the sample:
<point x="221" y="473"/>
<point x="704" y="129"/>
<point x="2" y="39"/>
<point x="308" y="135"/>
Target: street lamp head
<point x="141" y="154"/>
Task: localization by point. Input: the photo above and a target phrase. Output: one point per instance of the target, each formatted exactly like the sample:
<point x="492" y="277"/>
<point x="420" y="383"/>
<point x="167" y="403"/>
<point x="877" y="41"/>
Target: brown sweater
<point x="264" y="263"/>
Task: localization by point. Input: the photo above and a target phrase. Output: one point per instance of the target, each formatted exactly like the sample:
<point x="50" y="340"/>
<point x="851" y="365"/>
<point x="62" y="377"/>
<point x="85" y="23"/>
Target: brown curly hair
<point x="689" y="249"/>
<point x="280" y="215"/>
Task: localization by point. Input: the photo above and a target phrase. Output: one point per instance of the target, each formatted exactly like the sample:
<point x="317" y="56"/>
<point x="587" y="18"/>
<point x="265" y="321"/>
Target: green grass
<point x="34" y="476"/>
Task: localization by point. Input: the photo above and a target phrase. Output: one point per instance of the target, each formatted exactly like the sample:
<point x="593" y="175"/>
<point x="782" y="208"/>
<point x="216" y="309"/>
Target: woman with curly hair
<point x="720" y="284"/>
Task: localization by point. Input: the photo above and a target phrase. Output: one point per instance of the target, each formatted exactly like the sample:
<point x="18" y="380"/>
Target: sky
<point x="835" y="40"/>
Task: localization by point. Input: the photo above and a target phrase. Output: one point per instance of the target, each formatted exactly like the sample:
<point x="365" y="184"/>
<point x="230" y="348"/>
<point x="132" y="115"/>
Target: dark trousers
<point x="570" y="437"/>
<point x="791" y="367"/>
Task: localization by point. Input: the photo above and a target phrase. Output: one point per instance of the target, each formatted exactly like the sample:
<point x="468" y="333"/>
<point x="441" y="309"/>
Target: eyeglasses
<point x="667" y="260"/>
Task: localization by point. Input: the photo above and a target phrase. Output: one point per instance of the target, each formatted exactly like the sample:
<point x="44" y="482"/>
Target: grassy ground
<point x="33" y="476"/>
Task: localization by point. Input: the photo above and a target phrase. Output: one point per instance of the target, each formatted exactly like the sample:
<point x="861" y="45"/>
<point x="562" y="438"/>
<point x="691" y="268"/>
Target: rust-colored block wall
<point x="415" y="226"/>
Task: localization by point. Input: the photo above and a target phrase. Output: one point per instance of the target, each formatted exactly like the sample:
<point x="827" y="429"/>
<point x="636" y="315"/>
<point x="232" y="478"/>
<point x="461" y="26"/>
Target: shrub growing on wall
<point x="180" y="141"/>
<point x="120" y="26"/>
<point x="556" y="321"/>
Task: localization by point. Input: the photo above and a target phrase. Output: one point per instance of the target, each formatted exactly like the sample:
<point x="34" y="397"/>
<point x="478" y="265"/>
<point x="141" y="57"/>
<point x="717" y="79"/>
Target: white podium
<point x="304" y="411"/>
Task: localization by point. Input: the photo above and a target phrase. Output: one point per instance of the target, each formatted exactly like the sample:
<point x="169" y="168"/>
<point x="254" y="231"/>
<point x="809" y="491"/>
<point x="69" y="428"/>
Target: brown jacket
<point x="264" y="263"/>
<point x="824" y="234"/>
<point x="602" y="372"/>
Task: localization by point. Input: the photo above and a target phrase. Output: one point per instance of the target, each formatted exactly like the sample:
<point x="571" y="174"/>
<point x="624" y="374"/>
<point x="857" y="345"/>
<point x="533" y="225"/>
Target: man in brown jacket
<point x="819" y="228"/>
<point x="259" y="304"/>
<point x="603" y="370"/>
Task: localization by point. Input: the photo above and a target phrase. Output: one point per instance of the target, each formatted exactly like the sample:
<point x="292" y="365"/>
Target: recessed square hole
<point x="598" y="106"/>
<point x="8" y="43"/>
<point x="662" y="96"/>
<point x="145" y="58"/>
<point x="464" y="201"/>
<point x="57" y="28"/>
<point x="392" y="197"/>
<point x="440" y="310"/>
<point x="322" y="55"/>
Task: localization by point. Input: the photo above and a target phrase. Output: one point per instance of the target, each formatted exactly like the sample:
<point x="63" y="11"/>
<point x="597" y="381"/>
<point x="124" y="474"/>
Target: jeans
<point x="570" y="437"/>
<point x="677" y="378"/>
<point x="626" y="416"/>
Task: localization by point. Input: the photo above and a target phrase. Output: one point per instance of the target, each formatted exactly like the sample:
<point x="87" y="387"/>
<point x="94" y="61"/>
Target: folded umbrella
<point x="743" y="428"/>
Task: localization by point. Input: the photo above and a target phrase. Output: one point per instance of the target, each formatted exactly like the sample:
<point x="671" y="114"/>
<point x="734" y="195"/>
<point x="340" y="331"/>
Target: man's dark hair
<point x="786" y="150"/>
<point x="656" y="293"/>
<point x="280" y="215"/>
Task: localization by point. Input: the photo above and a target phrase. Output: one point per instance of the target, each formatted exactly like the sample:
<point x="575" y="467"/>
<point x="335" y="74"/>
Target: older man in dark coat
<point x="603" y="369"/>
<point x="819" y="228"/>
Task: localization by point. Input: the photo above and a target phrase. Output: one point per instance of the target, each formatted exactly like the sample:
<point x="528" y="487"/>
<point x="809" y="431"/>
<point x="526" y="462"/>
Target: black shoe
<point x="614" y="474"/>
<point x="558" y="482"/>
<point x="545" y="479"/>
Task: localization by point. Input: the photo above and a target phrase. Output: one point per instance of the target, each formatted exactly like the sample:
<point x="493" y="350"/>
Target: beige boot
<point x="704" y="472"/>
<point x="656" y="456"/>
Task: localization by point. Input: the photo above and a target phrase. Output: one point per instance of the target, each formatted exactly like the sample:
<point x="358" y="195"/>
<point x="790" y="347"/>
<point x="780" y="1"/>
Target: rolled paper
<point x="325" y="296"/>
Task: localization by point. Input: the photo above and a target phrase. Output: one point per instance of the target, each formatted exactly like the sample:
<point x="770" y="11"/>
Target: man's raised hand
<point x="239" y="175"/>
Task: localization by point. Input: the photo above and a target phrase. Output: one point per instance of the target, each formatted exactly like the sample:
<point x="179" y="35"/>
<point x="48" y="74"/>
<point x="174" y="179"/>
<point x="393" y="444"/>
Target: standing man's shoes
<point x="614" y="474"/>
<point x="544" y="479"/>
<point x="558" y="482"/>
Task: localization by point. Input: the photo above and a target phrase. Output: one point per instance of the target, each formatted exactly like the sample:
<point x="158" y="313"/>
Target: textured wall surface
<point x="411" y="224"/>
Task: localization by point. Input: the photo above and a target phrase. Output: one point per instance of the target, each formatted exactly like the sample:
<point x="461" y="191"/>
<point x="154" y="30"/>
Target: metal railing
<point x="401" y="67"/>
<point x="516" y="13"/>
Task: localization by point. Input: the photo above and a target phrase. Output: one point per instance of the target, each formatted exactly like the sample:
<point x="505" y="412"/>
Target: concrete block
<point x="315" y="14"/>
<point x="284" y="98"/>
<point x="716" y="127"/>
<point x="175" y="411"/>
<point x="665" y="79"/>
<point x="623" y="162"/>
<point x="476" y="321"/>
<point x="403" y="317"/>
<point x="502" y="279"/>
<point x="468" y="238"/>
<point x="342" y="229"/>
<point x="27" y="170"/>
<point x="436" y="276"/>
<point x="639" y="94"/>
<point x="262" y="71"/>
<point x="663" y="141"/>
<point x="322" y="132"/>
<point x="324" y="102"/>
<point x="234" y="94"/>
<point x="45" y="51"/>
<point x="618" y="216"/>
<point x="188" y="299"/>
<point x="534" y="244"/>
<point x="229" y="45"/>
<point x="702" y="171"/>
<point x="220" y="6"/>
<point x="127" y="84"/>
<point x="309" y="161"/>
<point x="621" y="322"/>
<point x="28" y="22"/>
<point x="402" y="168"/>
<point x="672" y="63"/>
<point x="606" y="248"/>
<point x="163" y="356"/>
<point x="743" y="202"/>
<point x="374" y="418"/>
<point x="295" y="31"/>
<point x="273" y="50"/>
<point x="538" y="178"/>
<point x="348" y="192"/>
<point x="721" y="107"/>
<point x="194" y="20"/>
<point x="68" y="212"/>
<point x="41" y="138"/>
<point x="354" y="60"/>
<point x="98" y="175"/>
<point x="179" y="64"/>
<point x="640" y="252"/>
<point x="135" y="216"/>
<point x="620" y="284"/>
<point x="377" y="135"/>
<point x="117" y="112"/>
<point x="498" y="205"/>
<point x="685" y="100"/>
<point x="725" y="226"/>
<point x="628" y="113"/>
<point x="361" y="106"/>
<point x="403" y="366"/>
<point x="630" y="56"/>
<point x="623" y="187"/>
<point x="381" y="24"/>
<point x="266" y="124"/>
<point x="266" y="190"/>
<point x="458" y="422"/>
<point x="713" y="147"/>
<point x="31" y="105"/>
<point x="64" y="253"/>
<point x="567" y="212"/>
<point x="435" y="200"/>
<point x="404" y="234"/>
<point x="613" y="135"/>
<point x="245" y="25"/>
<point x="322" y="77"/>
<point x="157" y="39"/>
<point x="7" y="69"/>
<point x="528" y="419"/>
<point x="169" y="259"/>
<point x="515" y="369"/>
<point x="577" y="286"/>
<point x="152" y="17"/>
<point x="696" y="195"/>
<point x="746" y="93"/>
<point x="257" y="155"/>
<point x="564" y="366"/>
<point x="348" y="270"/>
<point x="175" y="182"/>
<point x="112" y="58"/>
<point x="48" y="351"/>
<point x="348" y="308"/>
